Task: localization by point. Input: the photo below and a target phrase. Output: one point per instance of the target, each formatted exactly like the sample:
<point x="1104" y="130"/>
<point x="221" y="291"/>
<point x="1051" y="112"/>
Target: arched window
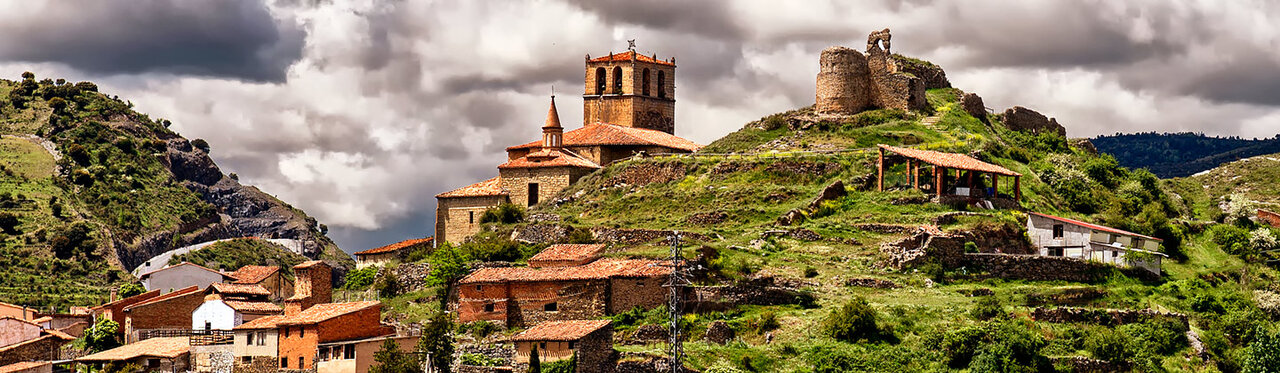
<point x="617" y="80"/>
<point x="600" y="80"/>
<point x="662" y="84"/>
<point x="644" y="89"/>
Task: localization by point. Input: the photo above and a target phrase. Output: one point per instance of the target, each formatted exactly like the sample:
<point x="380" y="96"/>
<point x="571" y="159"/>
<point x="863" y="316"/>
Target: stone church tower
<point x="630" y="90"/>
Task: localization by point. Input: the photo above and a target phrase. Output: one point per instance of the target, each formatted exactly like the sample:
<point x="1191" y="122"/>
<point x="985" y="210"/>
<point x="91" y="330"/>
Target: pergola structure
<point x="942" y="164"/>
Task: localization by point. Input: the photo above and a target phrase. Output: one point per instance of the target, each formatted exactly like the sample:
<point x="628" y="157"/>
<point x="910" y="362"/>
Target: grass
<point x="230" y="255"/>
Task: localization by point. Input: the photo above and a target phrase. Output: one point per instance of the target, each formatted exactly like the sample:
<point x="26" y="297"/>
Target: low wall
<point x="1037" y="268"/>
<point x="1105" y="317"/>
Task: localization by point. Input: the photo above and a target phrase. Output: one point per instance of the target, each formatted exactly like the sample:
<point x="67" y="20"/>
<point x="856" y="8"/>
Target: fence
<point x="196" y="337"/>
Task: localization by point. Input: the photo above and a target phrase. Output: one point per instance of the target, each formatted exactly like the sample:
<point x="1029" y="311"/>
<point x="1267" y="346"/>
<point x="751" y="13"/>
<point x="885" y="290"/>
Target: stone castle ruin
<point x="850" y="82"/>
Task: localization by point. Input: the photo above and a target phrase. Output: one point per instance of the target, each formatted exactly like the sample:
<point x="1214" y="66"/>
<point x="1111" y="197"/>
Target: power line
<point x="675" y="304"/>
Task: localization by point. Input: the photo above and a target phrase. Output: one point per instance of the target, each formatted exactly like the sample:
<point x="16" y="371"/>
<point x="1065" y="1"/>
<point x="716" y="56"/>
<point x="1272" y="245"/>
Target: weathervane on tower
<point x="631" y="45"/>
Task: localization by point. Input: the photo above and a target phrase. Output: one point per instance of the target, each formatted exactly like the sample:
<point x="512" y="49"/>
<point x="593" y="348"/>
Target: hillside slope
<point x="97" y="187"/>
<point x="1170" y="155"/>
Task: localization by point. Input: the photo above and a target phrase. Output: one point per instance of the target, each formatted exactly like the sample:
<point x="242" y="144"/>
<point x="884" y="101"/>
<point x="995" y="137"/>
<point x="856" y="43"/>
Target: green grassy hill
<point x="729" y="196"/>
<point x="90" y="187"/>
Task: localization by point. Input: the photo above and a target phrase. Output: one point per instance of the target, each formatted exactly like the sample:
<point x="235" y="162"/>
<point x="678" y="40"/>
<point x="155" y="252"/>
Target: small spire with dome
<point x="552" y="132"/>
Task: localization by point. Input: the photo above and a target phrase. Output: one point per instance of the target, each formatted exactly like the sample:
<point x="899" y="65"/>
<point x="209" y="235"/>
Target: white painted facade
<point x="180" y="276"/>
<point x="1067" y="238"/>
<point x="215" y="315"/>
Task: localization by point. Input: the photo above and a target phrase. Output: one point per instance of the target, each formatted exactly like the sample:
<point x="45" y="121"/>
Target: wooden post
<point x="970" y="179"/>
<point x="937" y="175"/>
<point x="995" y="185"/>
<point x="915" y="174"/>
<point x="1017" y="188"/>
<point x="880" y="172"/>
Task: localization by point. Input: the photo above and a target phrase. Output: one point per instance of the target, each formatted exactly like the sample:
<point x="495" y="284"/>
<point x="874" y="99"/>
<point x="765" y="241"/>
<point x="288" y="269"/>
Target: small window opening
<point x="551" y="307"/>
<point x="1058" y="231"/>
<point x="644" y="87"/>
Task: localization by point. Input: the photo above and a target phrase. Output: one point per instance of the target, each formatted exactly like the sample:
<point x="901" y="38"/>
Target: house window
<point x="208" y="326"/>
<point x="644" y="89"/>
<point x="349" y="352"/>
<point x="262" y="339"/>
<point x="488" y="307"/>
<point x="1137" y="243"/>
<point x="571" y="345"/>
<point x="640" y="283"/>
<point x="302" y="333"/>
<point x="302" y="362"/>
<point x="662" y="84"/>
<point x="1057" y="230"/>
<point x="284" y="362"/>
<point x="479" y="287"/>
<point x="600" y="80"/>
<point x="551" y="307"/>
<point x="1055" y="251"/>
<point x="471" y="217"/>
<point x="533" y="194"/>
<point x="153" y="362"/>
<point x="246" y="359"/>
<point x="324" y="354"/>
<point x="249" y="339"/>
<point x="286" y="332"/>
<point x="617" y="80"/>
<point x="1115" y="254"/>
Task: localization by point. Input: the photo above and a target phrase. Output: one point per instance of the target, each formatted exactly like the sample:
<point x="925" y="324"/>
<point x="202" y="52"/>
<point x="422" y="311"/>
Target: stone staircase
<point x="930" y="121"/>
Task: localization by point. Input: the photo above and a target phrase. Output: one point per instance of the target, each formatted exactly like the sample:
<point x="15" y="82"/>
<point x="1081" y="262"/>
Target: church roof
<point x="491" y="187"/>
<point x="626" y="56"/>
<point x="612" y="134"/>
<point x="553" y="118"/>
<point x="550" y="157"/>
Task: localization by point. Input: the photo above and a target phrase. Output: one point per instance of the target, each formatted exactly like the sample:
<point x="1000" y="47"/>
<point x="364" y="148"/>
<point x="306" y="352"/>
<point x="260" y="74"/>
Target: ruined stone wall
<point x="849" y="82"/>
<point x="550" y="180"/>
<point x="256" y="364"/>
<point x="1106" y="317"/>
<point x="843" y="81"/>
<point x="459" y="217"/>
<point x="643" y="292"/>
<point x="575" y="300"/>
<point x="932" y="75"/>
<point x="1038" y="268"/>
<point x="1019" y="118"/>
<point x="45" y="348"/>
<point x="890" y="88"/>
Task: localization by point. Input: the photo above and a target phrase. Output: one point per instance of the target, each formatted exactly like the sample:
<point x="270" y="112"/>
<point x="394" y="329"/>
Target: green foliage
<point x="988" y="308"/>
<point x="72" y="240"/>
<point x="447" y="264"/>
<point x="935" y="271"/>
<point x="569" y="365"/>
<point x="1157" y="337"/>
<point x="102" y="336"/>
<point x="235" y="253"/>
<point x="854" y="321"/>
<point x="200" y="144"/>
<point x="478" y="329"/>
<point x="360" y="279"/>
<point x="389" y="359"/>
<point x="131" y="289"/>
<point x="506" y="213"/>
<point x="437" y="342"/>
<point x="1109" y="346"/>
<point x="637" y="316"/>
<point x="480" y="360"/>
<point x="387" y="285"/>
<point x="970" y="247"/>
<point x="1263" y="354"/>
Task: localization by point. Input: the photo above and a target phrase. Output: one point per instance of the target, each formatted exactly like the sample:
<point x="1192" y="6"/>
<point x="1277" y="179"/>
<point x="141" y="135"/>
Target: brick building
<point x="301" y="334"/>
<point x="1269" y="218"/>
<point x="590" y="340"/>
<point x="356" y="356"/>
<point x="390" y="253"/>
<point x="629" y="108"/>
<point x="313" y="285"/>
<point x="169" y="311"/>
<point x="523" y="296"/>
<point x="16" y="311"/>
<point x="114" y="310"/>
<point x="269" y="277"/>
<point x="28" y="367"/>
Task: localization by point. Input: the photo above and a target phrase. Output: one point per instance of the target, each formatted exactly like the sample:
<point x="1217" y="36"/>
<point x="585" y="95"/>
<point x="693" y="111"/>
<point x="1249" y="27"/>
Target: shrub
<point x="987" y="308"/>
<point x="79" y="154"/>
<point x="387" y="285"/>
<point x="131" y="289"/>
<point x="9" y="222"/>
<point x="102" y="336"/>
<point x="1112" y="347"/>
<point x="1157" y="337"/>
<point x="935" y="271"/>
<point x="447" y="264"/>
<point x="506" y="213"/>
<point x="1263" y="355"/>
<point x="829" y="359"/>
<point x="360" y="279"/>
<point x="200" y="144"/>
<point x="389" y="359"/>
<point x="855" y="321"/>
<point x="961" y="344"/>
<point x="970" y="247"/>
<point x="810" y="272"/>
<point x="480" y="360"/>
<point x="569" y="365"/>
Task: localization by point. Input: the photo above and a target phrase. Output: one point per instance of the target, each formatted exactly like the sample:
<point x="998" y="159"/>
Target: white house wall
<point x="1040" y="230"/>
<point x="218" y="314"/>
<point x="178" y="277"/>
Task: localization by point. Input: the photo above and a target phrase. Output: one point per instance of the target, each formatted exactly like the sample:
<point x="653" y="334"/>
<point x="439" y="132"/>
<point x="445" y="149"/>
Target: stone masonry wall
<point x="257" y="364"/>
<point x="40" y="349"/>
<point x="643" y="292"/>
<point x="458" y="218"/>
<point x="550" y="182"/>
<point x="595" y="352"/>
<point x="1034" y="267"/>
<point x="630" y="107"/>
<point x="212" y="359"/>
<point x="172" y="313"/>
<point x="575" y="300"/>
<point x="849" y="82"/>
<point x="1106" y="317"/>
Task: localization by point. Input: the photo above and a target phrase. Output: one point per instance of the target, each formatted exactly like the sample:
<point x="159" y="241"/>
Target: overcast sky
<point x="359" y="112"/>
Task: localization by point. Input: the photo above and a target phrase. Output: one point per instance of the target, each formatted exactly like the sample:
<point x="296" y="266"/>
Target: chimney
<point x="313" y="285"/>
<point x="114" y="292"/>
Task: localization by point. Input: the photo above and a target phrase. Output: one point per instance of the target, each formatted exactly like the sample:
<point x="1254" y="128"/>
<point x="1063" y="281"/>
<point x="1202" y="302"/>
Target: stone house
<point x="523" y="296"/>
<point x="590" y="340"/>
<point x="566" y="255"/>
<point x="182" y="275"/>
<point x="28" y="367"/>
<point x="170" y="311"/>
<point x="71" y="324"/>
<point x="269" y="277"/>
<point x="629" y="108"/>
<point x="46" y="346"/>
<point x="313" y="285"/>
<point x="1063" y="237"/>
<point x="301" y="334"/>
<point x="228" y="305"/>
<point x="14" y="330"/>
<point x="356" y="356"/>
<point x="16" y="311"/>
<point x="256" y="345"/>
<point x="168" y="354"/>
<point x="114" y="310"/>
<point x="390" y="253"/>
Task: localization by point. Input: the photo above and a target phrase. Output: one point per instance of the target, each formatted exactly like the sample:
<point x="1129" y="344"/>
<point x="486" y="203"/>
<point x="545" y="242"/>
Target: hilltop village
<point x="897" y="224"/>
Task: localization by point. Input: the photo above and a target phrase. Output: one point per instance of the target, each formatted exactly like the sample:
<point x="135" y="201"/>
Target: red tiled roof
<point x="397" y="246"/>
<point x="243" y="289"/>
<point x="265" y="322"/>
<point x="571" y="330"/>
<point x="325" y="311"/>
<point x="26" y="365"/>
<point x="309" y="264"/>
<point x="569" y="252"/>
<point x="626" y="56"/>
<point x="612" y="134"/>
<point x="252" y="307"/>
<point x="166" y="347"/>
<point x="225" y="275"/>
<point x="950" y="160"/>
<point x="131" y="300"/>
<point x="600" y="269"/>
<point x="60" y="334"/>
<point x="162" y="298"/>
<point x="1095" y="226"/>
<point x="31" y="322"/>
<point x="550" y="158"/>
<point x="254" y="274"/>
<point x="491" y="187"/>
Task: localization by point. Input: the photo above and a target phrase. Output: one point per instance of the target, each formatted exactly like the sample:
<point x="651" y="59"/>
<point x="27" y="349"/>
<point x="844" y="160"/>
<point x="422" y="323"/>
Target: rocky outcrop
<point x="831" y="192"/>
<point x="973" y="105"/>
<point x="1019" y="118"/>
<point x="932" y="75"/>
<point x="873" y="283"/>
<point x="650" y="332"/>
<point x="645" y="173"/>
<point x="626" y="236"/>
<point x="719" y="332"/>
<point x="763" y="291"/>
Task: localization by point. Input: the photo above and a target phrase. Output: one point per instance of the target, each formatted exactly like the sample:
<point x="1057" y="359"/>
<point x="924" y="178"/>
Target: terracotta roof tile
<point x="131" y="300"/>
<point x="309" y="264"/>
<point x="571" y="330"/>
<point x="550" y="158"/>
<point x="166" y="347"/>
<point x="26" y="365"/>
<point x="491" y="187"/>
<point x="611" y="134"/>
<point x="254" y="274"/>
<point x="569" y="252"/>
<point x="166" y="297"/>
<point x="253" y="307"/>
<point x="325" y="311"/>
<point x="240" y="289"/>
<point x="626" y="56"/>
<point x="1095" y="226"/>
<point x="59" y="334"/>
<point x="397" y="246"/>
<point x="183" y="264"/>
<point x="950" y="160"/>
<point x="265" y="322"/>
<point x="600" y="269"/>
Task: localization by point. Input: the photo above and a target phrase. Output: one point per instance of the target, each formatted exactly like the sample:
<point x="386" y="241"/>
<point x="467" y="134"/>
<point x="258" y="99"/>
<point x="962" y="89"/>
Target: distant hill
<point x="1170" y="155"/>
<point x="95" y="188"/>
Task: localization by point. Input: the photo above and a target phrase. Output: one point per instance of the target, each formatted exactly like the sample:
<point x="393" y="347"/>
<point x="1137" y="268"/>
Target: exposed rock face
<point x="973" y="105"/>
<point x="650" y="332"/>
<point x="719" y="332"/>
<point x="831" y="192"/>
<point x="1023" y="119"/>
<point x="1085" y="145"/>
<point x="932" y="75"/>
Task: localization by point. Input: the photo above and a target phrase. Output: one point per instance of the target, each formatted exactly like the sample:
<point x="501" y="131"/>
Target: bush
<point x="569" y="365"/>
<point x="102" y="336"/>
<point x="390" y="359"/>
<point x="1263" y="355"/>
<point x="1157" y="337"/>
<point x="200" y="144"/>
<point x="360" y="279"/>
<point x="447" y="264"/>
<point x="131" y="289"/>
<point x="853" y="322"/>
<point x="961" y="344"/>
<point x="935" y="271"/>
<point x="9" y="222"/>
<point x="506" y="213"/>
<point x="970" y="247"/>
<point x="987" y="308"/>
<point x="810" y="272"/>
<point x="387" y="285"/>
<point x="1112" y="347"/>
<point x="480" y="360"/>
<point x="79" y="154"/>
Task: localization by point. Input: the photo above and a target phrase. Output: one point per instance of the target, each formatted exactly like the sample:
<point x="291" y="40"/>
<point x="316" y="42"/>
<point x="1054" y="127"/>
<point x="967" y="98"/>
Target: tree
<point x="58" y="104"/>
<point x="102" y="336"/>
<point x="437" y="342"/>
<point x="9" y="222"/>
<point x="535" y="365"/>
<point x="131" y="289"/>
<point x="389" y="359"/>
<point x="200" y="144"/>
<point x="854" y="321"/>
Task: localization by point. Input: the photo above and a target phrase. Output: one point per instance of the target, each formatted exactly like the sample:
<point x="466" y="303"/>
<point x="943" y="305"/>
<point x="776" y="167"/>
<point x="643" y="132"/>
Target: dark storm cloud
<point x="228" y="38"/>
<point x="708" y="18"/>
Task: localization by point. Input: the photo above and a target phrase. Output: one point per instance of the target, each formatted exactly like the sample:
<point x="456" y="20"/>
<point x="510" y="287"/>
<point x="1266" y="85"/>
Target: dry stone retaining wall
<point x="1105" y="317"/>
